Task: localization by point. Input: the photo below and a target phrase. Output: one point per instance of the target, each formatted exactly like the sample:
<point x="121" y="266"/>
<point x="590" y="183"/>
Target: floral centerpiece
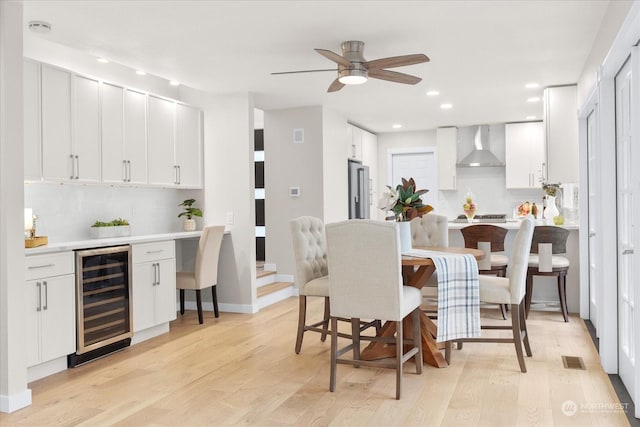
<point x="469" y="207"/>
<point x="550" y="189"/>
<point x="404" y="201"/>
<point x="551" y="211"/>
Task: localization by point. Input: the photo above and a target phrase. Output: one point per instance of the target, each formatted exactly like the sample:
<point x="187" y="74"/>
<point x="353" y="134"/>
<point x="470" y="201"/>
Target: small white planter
<point x="189" y="225"/>
<point x="114" y="231"/>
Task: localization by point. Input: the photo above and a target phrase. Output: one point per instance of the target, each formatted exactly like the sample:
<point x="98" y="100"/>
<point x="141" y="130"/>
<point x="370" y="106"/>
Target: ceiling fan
<point x="353" y="69"/>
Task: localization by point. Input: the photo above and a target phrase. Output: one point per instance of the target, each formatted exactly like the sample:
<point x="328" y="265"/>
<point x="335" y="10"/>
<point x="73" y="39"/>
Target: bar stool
<point x="548" y="241"/>
<point x="489" y="238"/>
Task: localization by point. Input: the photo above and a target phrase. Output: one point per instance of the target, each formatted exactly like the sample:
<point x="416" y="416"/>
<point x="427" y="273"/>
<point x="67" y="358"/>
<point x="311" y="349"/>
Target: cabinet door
<point x="447" y="142"/>
<point x="113" y="167"/>
<point x="58" y="317"/>
<point x="161" y="142"/>
<point x="165" y="291"/>
<point x="188" y="146"/>
<point x="355" y="150"/>
<point x="86" y="129"/>
<point x="524" y="154"/>
<point x="32" y="318"/>
<point x="370" y="158"/>
<point x="135" y="135"/>
<point x="31" y="95"/>
<point x="56" y="124"/>
<point x="143" y="284"/>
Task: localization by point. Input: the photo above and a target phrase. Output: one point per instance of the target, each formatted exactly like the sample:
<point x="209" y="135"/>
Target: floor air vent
<point x="573" y="362"/>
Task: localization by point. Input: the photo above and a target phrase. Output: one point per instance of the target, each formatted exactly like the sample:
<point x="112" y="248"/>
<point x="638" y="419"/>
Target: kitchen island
<point x="545" y="289"/>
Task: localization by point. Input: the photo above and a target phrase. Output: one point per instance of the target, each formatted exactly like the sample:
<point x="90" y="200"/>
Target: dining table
<point x="415" y="272"/>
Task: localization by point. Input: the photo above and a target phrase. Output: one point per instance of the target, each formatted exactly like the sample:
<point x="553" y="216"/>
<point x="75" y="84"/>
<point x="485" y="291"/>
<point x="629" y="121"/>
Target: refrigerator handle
<point x="359" y="207"/>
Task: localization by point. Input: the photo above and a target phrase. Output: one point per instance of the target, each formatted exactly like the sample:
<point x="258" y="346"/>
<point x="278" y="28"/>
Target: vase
<point x="551" y="210"/>
<point x="404" y="231"/>
<point x="189" y="225"/>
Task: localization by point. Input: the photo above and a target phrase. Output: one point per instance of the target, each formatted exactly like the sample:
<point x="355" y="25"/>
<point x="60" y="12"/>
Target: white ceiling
<point x="482" y="52"/>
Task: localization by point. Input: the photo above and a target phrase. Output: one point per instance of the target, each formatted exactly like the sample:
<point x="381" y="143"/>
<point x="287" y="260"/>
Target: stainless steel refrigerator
<point x="358" y="190"/>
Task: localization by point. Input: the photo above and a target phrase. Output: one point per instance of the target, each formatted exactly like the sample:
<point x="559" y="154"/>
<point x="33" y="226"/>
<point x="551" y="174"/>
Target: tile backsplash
<point x="66" y="211"/>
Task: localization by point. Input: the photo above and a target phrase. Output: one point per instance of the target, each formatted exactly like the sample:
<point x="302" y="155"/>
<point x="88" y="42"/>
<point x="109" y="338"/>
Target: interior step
<point x="272" y="288"/>
<point x="262" y="273"/>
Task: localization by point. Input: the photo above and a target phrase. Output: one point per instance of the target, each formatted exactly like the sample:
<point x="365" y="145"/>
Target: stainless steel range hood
<point x="481" y="155"/>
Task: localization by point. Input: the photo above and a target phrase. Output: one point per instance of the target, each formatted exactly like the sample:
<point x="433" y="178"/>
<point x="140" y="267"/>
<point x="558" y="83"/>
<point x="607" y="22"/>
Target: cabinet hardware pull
<point x="592" y="234"/>
<point x="154" y="252"/>
<point x="627" y="252"/>
<point x="155" y="274"/>
<point x="77" y="167"/>
<point x="39" y="286"/>
<point x="33" y="267"/>
<point x="158" y="280"/>
<point x="124" y="163"/>
<point x="128" y="170"/>
<point x="179" y="174"/>
<point x="73" y="167"/>
<point x="46" y="295"/>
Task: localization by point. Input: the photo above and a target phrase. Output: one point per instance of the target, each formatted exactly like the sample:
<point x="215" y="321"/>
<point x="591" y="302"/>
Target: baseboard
<point x="229" y="308"/>
<point x="47" y="368"/>
<point x="14" y="402"/>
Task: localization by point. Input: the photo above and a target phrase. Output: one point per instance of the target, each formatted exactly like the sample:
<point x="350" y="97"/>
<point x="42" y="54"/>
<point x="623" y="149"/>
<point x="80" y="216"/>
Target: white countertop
<point x="511" y="224"/>
<point x="113" y="241"/>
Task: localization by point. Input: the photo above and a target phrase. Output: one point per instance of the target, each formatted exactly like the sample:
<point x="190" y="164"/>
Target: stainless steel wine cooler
<point x="103" y="296"/>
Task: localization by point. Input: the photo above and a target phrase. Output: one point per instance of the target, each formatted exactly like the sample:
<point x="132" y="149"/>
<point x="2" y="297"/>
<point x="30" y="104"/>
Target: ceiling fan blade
<point x="335" y="86"/>
<point x="304" y="71"/>
<point x="394" y="76"/>
<point x="396" y="61"/>
<point x="334" y="57"/>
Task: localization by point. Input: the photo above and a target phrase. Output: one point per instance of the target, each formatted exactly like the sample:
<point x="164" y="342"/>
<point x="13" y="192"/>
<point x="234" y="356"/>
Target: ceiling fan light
<point x="352" y="76"/>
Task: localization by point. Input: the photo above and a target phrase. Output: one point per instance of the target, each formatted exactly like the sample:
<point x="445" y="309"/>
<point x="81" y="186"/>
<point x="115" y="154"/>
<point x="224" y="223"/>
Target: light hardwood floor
<point x="242" y="370"/>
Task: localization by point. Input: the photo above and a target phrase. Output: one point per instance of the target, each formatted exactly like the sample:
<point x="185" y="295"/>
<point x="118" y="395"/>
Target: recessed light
<point x="174" y="83"/>
<point x="433" y="93"/>
<point x="39" y="26"/>
<point x="530" y="117"/>
<point x="103" y="60"/>
<point x="396" y="126"/>
<point x="446" y="106"/>
<point x="532" y="85"/>
<point x="141" y="73"/>
<point x="534" y="99"/>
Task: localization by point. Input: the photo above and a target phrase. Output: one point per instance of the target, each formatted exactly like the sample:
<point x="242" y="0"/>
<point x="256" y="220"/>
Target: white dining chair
<point x="366" y="283"/>
<point x="509" y="290"/>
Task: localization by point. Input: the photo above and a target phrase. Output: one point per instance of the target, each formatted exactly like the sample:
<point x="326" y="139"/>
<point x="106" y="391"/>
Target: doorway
<point x="419" y="164"/>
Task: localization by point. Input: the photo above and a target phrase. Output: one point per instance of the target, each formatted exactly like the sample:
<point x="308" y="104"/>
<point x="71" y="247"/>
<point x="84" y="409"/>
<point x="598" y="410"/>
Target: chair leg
<point x="334" y="353"/>
<point x="355" y="338"/>
<point x="417" y="339"/>
<point x="503" y="310"/>
<point x="517" y="339"/>
<point x="399" y="351"/>
<point x="302" y="314"/>
<point x="523" y="328"/>
<point x="527" y="295"/>
<point x="562" y="294"/>
<point x="199" y="304"/>
<point x="447" y="352"/>
<point x="325" y="324"/>
<point x="214" y="296"/>
<point x="181" y="301"/>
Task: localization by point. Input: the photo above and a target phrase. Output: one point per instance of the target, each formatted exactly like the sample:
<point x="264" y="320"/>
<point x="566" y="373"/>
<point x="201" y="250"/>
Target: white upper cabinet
<point x="32" y="150"/>
<point x="58" y="161"/>
<point x="525" y="155"/>
<point x="188" y="146"/>
<point x="447" y="143"/>
<point x="561" y="133"/>
<point x="86" y="129"/>
<point x="162" y="169"/>
<point x="370" y="158"/>
<point x="124" y="154"/>
<point x="355" y="147"/>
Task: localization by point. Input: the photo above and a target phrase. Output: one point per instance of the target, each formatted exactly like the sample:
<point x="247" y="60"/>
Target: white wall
<point x="486" y="183"/>
<point x="14" y="393"/>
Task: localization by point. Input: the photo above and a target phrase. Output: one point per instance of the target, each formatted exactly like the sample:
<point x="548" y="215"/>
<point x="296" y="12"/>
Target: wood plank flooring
<point x="241" y="369"/>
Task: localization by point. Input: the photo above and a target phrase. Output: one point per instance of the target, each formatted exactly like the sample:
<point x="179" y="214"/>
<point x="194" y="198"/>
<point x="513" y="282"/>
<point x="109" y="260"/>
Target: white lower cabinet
<point x="51" y="309"/>
<point x="154" y="284"/>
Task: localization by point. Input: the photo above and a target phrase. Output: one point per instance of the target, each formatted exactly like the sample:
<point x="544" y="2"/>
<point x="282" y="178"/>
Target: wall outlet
<point x="229" y="218"/>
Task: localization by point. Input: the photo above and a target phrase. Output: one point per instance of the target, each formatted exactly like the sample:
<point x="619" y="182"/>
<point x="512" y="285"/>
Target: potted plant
<point x="189" y="212"/>
<point x="117" y="228"/>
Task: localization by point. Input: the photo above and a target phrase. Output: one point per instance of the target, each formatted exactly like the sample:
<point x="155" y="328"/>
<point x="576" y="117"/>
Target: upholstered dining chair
<point x="366" y="283"/>
<point x="206" y="270"/>
<point x="548" y="241"/>
<point x="510" y="290"/>
<point x="489" y="238"/>
<point x="310" y="250"/>
<point x="430" y="230"/>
